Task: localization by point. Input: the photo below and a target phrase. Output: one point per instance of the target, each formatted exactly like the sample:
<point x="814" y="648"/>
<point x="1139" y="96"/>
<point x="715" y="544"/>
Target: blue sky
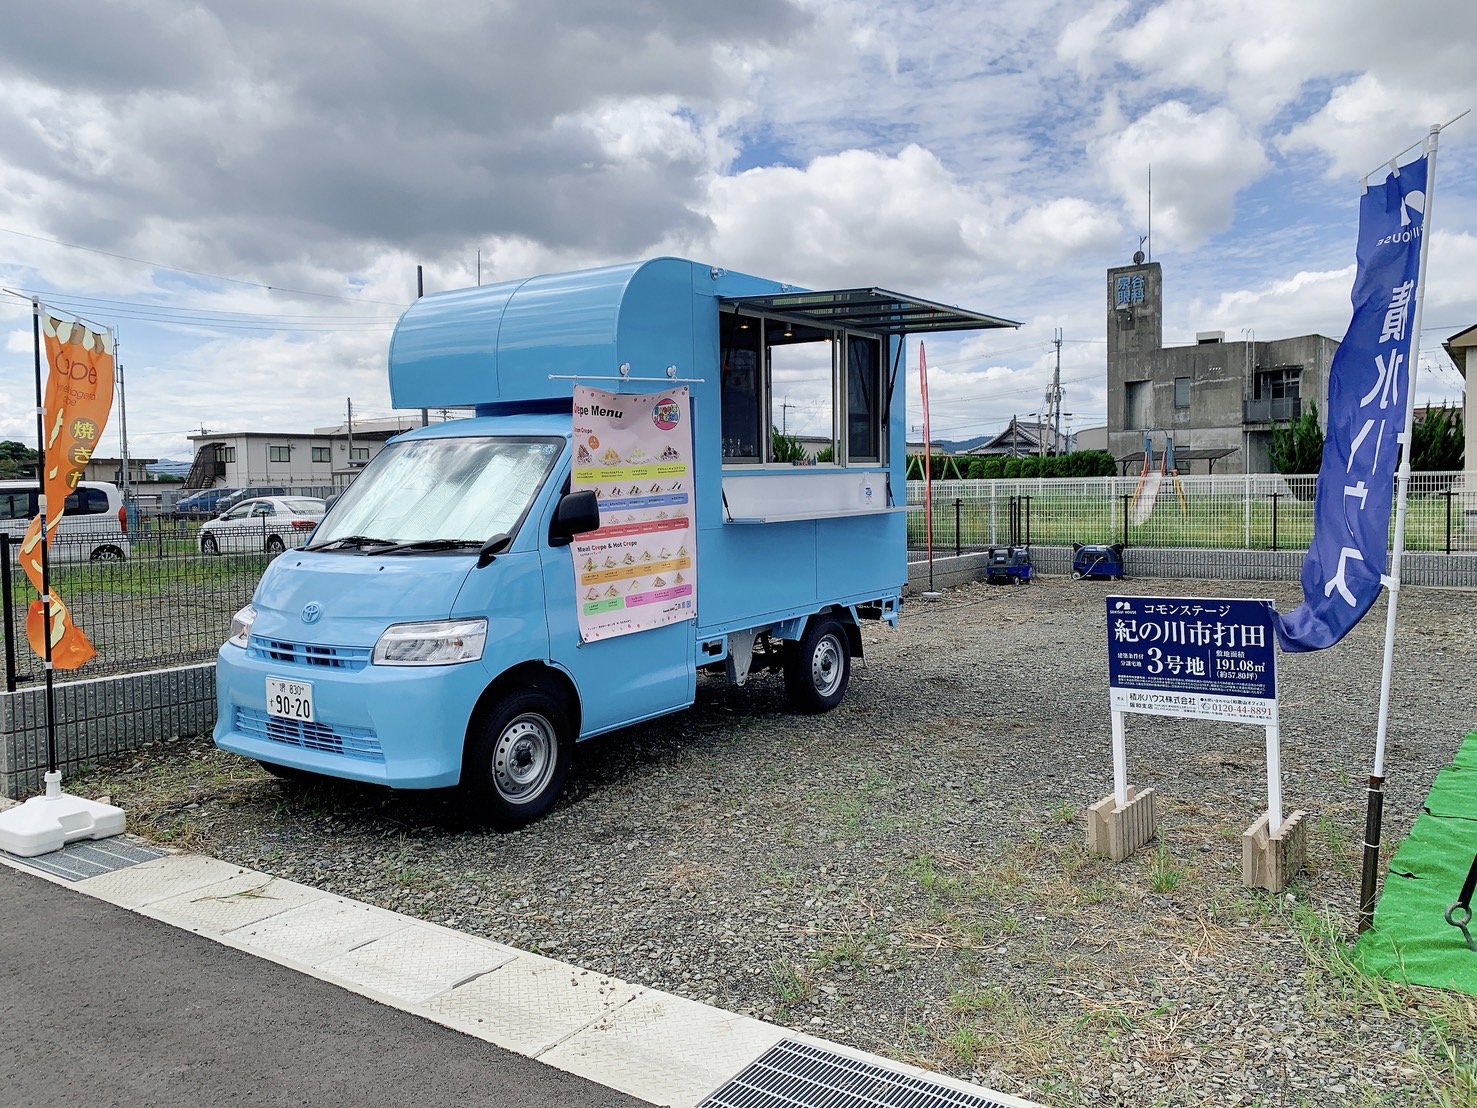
<point x="248" y="189"/>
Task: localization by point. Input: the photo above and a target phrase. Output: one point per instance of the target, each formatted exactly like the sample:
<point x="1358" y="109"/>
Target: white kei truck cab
<point x="491" y="590"/>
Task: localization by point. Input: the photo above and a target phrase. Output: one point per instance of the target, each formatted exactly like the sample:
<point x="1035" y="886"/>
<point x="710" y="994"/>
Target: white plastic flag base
<point x="46" y="823"/>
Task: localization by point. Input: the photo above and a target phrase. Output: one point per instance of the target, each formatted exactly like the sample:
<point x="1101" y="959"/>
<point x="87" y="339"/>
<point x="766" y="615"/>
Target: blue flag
<point x="1367" y="397"/>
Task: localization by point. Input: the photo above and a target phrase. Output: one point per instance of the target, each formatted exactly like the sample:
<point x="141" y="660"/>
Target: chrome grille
<point x="308" y="654"/>
<point x="350" y="742"/>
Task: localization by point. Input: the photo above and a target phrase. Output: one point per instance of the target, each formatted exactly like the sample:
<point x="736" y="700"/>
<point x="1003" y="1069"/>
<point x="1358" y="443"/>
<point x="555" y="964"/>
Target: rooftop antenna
<point x="1149" y="238"/>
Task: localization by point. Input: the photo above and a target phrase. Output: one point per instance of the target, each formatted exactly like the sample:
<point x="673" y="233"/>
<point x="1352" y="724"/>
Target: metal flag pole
<point x="1374" y="814"/>
<point x="46" y="823"/>
<point x="53" y="773"/>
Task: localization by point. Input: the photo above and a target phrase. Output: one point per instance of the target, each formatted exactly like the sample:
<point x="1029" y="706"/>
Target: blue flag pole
<point x="1374" y="813"/>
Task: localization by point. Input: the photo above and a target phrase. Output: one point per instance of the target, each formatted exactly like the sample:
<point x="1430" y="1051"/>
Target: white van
<point x="94" y="526"/>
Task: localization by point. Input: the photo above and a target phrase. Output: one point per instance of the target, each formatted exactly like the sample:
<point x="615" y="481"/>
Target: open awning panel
<point x="875" y="310"/>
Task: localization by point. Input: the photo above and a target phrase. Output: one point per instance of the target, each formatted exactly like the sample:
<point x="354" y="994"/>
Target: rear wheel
<point x="274" y="544"/>
<point x="518" y="758"/>
<point x="818" y="667"/>
<point x="208" y="545"/>
<point x="107" y="554"/>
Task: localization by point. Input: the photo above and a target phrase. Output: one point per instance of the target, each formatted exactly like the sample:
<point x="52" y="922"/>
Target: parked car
<point x="270" y="523"/>
<point x="204" y="504"/>
<point x="93" y="527"/>
<point x="241" y="495"/>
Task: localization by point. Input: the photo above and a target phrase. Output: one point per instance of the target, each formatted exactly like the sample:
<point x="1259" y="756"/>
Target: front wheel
<point x="818" y="667"/>
<point x="107" y="554"/>
<point x="518" y="758"/>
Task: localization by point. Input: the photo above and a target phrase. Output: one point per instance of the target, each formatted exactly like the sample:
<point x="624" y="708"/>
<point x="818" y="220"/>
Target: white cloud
<point x="1199" y="162"/>
<point x="1365" y="122"/>
<point x="904" y="219"/>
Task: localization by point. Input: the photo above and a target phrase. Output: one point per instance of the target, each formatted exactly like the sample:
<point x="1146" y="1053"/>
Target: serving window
<point x="792" y="392"/>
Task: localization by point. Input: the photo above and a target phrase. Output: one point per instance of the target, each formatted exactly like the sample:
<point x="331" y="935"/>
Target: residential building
<point x="326" y="457"/>
<point x="1462" y="347"/>
<point x="1217" y="399"/>
<point x="1023" y="439"/>
<point x="111" y="470"/>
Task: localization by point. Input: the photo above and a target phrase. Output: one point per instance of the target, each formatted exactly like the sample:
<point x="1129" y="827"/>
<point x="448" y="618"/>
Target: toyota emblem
<point x="312" y="612"/>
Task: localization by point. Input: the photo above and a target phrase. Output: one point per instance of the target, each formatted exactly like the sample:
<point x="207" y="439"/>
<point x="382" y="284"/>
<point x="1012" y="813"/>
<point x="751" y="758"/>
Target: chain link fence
<point x="1229" y="512"/>
<point x="163" y="605"/>
<point x="167" y="604"/>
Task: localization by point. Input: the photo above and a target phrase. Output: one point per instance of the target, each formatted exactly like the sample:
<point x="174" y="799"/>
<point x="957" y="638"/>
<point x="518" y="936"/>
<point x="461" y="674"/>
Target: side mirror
<point x="578" y="512"/>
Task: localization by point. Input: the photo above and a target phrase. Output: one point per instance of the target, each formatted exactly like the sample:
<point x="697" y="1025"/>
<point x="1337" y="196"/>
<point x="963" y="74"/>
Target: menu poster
<point x="639" y="570"/>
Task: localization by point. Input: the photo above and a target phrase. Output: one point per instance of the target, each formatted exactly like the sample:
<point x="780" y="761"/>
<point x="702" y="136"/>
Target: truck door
<point x="624" y="679"/>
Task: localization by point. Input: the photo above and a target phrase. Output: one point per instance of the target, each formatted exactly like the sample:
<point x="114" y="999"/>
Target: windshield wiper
<point x="351" y="541"/>
<point x="432" y="544"/>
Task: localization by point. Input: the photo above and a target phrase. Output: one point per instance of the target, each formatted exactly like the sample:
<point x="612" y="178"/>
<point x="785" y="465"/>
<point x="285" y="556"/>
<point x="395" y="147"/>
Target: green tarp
<point x="1411" y="940"/>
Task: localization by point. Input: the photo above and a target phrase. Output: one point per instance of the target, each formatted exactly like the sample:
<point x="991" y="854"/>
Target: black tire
<point x="518" y="758"/>
<point x="818" y="667"/>
<point x="209" y="546"/>
<point x="275" y="545"/>
<point x="107" y="554"/>
<point x="286" y="773"/>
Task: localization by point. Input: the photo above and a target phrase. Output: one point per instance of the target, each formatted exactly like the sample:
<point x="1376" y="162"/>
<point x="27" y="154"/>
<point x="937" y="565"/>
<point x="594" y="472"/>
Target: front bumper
<point x="401" y="726"/>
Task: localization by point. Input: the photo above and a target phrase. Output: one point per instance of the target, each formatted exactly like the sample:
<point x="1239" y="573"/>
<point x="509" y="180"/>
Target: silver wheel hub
<point x="523" y="759"/>
<point x="826" y="666"/>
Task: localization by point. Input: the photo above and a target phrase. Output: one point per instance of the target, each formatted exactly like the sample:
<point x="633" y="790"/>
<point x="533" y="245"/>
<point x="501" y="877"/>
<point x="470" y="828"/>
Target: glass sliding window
<point x="279" y="453"/>
<point x="1181" y="392"/>
<point x="863" y="399"/>
<point x="802" y="392"/>
<point x="741" y="387"/>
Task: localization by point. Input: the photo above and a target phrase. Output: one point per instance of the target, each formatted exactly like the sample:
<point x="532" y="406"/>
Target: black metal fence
<point x="165" y="604"/>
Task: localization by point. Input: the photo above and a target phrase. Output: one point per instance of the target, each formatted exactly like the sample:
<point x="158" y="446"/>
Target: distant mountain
<point x="166" y="467"/>
<point x="959" y="446"/>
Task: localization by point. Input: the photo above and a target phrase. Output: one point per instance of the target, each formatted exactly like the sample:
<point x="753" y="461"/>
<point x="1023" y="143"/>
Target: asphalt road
<point x="101" y="1006"/>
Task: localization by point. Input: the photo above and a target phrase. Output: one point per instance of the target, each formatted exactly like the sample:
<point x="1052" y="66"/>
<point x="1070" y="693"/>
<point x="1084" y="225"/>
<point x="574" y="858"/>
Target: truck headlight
<point x="241" y="626"/>
<point x="439" y="643"/>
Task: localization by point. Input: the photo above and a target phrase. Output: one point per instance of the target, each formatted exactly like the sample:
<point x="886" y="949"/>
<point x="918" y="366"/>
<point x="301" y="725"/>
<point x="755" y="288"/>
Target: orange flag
<point x="78" y="401"/>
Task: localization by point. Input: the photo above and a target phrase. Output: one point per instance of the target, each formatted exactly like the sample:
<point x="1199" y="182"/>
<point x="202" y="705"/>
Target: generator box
<point x="1008" y="565"/>
<point x="1097" y="561"/>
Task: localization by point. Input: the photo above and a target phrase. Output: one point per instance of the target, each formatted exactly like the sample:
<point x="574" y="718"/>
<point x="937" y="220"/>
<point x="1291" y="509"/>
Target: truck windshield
<point x="438" y="494"/>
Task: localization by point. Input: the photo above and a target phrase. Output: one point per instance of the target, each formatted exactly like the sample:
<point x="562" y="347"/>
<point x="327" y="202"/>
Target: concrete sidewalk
<point x="571" y="1022"/>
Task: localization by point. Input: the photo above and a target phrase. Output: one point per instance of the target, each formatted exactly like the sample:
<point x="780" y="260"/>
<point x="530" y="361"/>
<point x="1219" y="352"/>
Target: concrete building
<point x="328" y="457"/>
<point x="1218" y="399"/>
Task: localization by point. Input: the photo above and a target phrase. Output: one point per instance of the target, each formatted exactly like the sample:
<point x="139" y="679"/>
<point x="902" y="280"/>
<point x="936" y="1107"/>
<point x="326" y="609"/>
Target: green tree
<point x="1437" y="441"/>
<point x="16" y="460"/>
<point x="785" y="448"/>
<point x="994" y="469"/>
<point x="1297" y="447"/>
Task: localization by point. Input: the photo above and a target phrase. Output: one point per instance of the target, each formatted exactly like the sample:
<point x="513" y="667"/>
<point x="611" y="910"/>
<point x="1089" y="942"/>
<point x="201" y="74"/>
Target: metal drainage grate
<point x="80" y="860"/>
<point x="795" y="1075"/>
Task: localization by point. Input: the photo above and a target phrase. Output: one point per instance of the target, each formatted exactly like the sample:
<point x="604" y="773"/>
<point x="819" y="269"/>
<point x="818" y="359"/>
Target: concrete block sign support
<point x="1201" y="658"/>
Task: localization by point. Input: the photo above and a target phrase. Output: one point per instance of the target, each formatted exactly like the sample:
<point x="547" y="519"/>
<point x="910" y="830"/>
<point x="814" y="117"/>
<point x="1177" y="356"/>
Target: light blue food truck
<point x="441" y="627"/>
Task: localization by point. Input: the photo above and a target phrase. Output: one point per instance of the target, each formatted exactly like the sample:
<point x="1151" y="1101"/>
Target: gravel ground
<point x="907" y="874"/>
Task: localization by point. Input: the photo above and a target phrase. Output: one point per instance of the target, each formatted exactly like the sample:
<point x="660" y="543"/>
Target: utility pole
<point x="785" y="417"/>
<point x="1056" y="395"/>
<point x="420" y="290"/>
<point x="122" y="418"/>
<point x="350" y="425"/>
